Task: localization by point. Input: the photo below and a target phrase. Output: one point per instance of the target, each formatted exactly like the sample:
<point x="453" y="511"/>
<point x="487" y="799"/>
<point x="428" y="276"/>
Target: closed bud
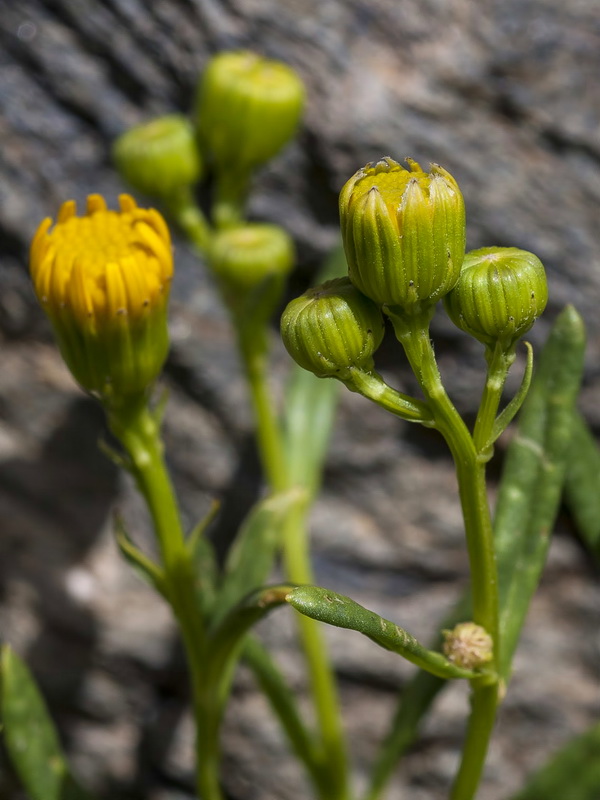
<point x="251" y="263"/>
<point x="468" y="645"/>
<point x="332" y="328"/>
<point x="159" y="157"/>
<point x="500" y="294"/>
<point x="103" y="279"/>
<point x="248" y="108"/>
<point x="403" y="233"/>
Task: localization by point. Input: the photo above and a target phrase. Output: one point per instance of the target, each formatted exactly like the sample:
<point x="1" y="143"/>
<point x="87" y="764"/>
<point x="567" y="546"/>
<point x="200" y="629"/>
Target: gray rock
<point x="502" y="94"/>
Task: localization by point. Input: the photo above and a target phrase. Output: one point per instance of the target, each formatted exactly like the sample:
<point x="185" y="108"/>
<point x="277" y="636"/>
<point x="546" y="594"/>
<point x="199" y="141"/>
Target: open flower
<point x="103" y="280"/>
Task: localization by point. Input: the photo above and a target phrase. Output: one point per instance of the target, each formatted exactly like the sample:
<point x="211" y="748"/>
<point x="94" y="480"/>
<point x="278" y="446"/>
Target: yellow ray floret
<point x="103" y="265"/>
<point x="104" y="280"/>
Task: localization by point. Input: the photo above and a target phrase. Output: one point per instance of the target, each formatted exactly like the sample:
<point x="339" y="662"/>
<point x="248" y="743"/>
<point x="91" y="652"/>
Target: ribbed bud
<point x="254" y="258"/>
<point x="468" y="645"/>
<point x="332" y="328"/>
<point x="247" y="109"/>
<point x="103" y="279"/>
<point x="500" y="294"/>
<point x="403" y="232"/>
<point x="160" y="157"/>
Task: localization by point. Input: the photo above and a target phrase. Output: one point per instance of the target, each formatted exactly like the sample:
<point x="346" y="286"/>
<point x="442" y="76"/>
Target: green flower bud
<point x="403" y="232"/>
<point x="500" y="294"/>
<point x="468" y="645"/>
<point x="159" y="157"/>
<point x="332" y="328"/>
<point x="248" y="108"/>
<point x="251" y="263"/>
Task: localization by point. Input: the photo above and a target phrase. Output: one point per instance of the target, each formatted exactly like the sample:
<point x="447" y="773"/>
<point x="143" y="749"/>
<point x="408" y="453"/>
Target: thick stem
<point x="298" y="570"/>
<point x="137" y="429"/>
<point x="413" y="334"/>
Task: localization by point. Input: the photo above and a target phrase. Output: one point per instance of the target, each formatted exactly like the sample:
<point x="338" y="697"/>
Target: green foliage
<point x="572" y="774"/>
<point x="30" y="736"/>
<point x="336" y="609"/>
<point x="582" y="487"/>
<point x="534" y="474"/>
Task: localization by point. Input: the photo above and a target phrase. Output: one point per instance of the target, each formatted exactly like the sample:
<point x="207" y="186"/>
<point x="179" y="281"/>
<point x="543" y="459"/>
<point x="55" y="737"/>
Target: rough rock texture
<point x="505" y="95"/>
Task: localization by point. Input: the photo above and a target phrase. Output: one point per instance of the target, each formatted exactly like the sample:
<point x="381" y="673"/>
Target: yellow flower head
<point x="104" y="279"/>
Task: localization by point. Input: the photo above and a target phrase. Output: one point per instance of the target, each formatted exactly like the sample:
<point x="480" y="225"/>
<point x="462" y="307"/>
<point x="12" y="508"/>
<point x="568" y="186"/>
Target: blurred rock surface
<point x="504" y="95"/>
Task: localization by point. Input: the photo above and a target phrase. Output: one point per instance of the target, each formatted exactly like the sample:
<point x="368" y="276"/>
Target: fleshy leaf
<point x="336" y="609"/>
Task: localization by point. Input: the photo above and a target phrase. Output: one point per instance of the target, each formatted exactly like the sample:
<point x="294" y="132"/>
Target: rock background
<point x="506" y="96"/>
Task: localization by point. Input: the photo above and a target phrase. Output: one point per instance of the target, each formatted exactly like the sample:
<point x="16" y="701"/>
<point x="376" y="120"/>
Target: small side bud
<point x="159" y="157"/>
<point x="247" y="109"/>
<point x="251" y="263"/>
<point x="468" y="645"/>
<point x="332" y="328"/>
<point x="403" y="232"/>
<point x="499" y="295"/>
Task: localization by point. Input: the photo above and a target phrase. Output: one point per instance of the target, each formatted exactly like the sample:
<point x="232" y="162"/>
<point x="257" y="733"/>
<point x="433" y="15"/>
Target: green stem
<point x="231" y="190"/>
<point x="413" y="334"/>
<point x="268" y="431"/>
<point x="372" y="386"/>
<point x="189" y="217"/>
<point x="138" y="431"/>
<point x="484" y="702"/>
<point x="298" y="569"/>
<point x="499" y="363"/>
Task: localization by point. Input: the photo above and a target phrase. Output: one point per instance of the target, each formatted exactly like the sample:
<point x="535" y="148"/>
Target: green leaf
<point x="150" y="572"/>
<point x="283" y="701"/>
<point x="251" y="556"/>
<point x="227" y="637"/>
<point x="573" y="773"/>
<point x="582" y="485"/>
<point x="30" y="737"/>
<point x="205" y="562"/>
<point x="533" y="477"/>
<point x="506" y="416"/>
<point x="339" y="610"/>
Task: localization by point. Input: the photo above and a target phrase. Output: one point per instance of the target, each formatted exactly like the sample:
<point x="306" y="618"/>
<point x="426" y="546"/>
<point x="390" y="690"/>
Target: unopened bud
<point x="248" y="108"/>
<point x="468" y="645"/>
<point x="159" y="157"/>
<point x="403" y="232"/>
<point x="500" y="294"/>
<point x="251" y="263"/>
<point x="332" y="328"/>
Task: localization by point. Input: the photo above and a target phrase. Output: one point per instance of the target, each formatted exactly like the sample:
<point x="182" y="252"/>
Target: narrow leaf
<point x="506" y="416"/>
<point x="283" y="701"/>
<point x="251" y="556"/>
<point x="582" y="486"/>
<point x="573" y="773"/>
<point x="30" y="737"/>
<point x="533" y="477"/>
<point x="150" y="572"/>
<point x="205" y="562"/>
<point x="339" y="610"/>
<point x="226" y="639"/>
